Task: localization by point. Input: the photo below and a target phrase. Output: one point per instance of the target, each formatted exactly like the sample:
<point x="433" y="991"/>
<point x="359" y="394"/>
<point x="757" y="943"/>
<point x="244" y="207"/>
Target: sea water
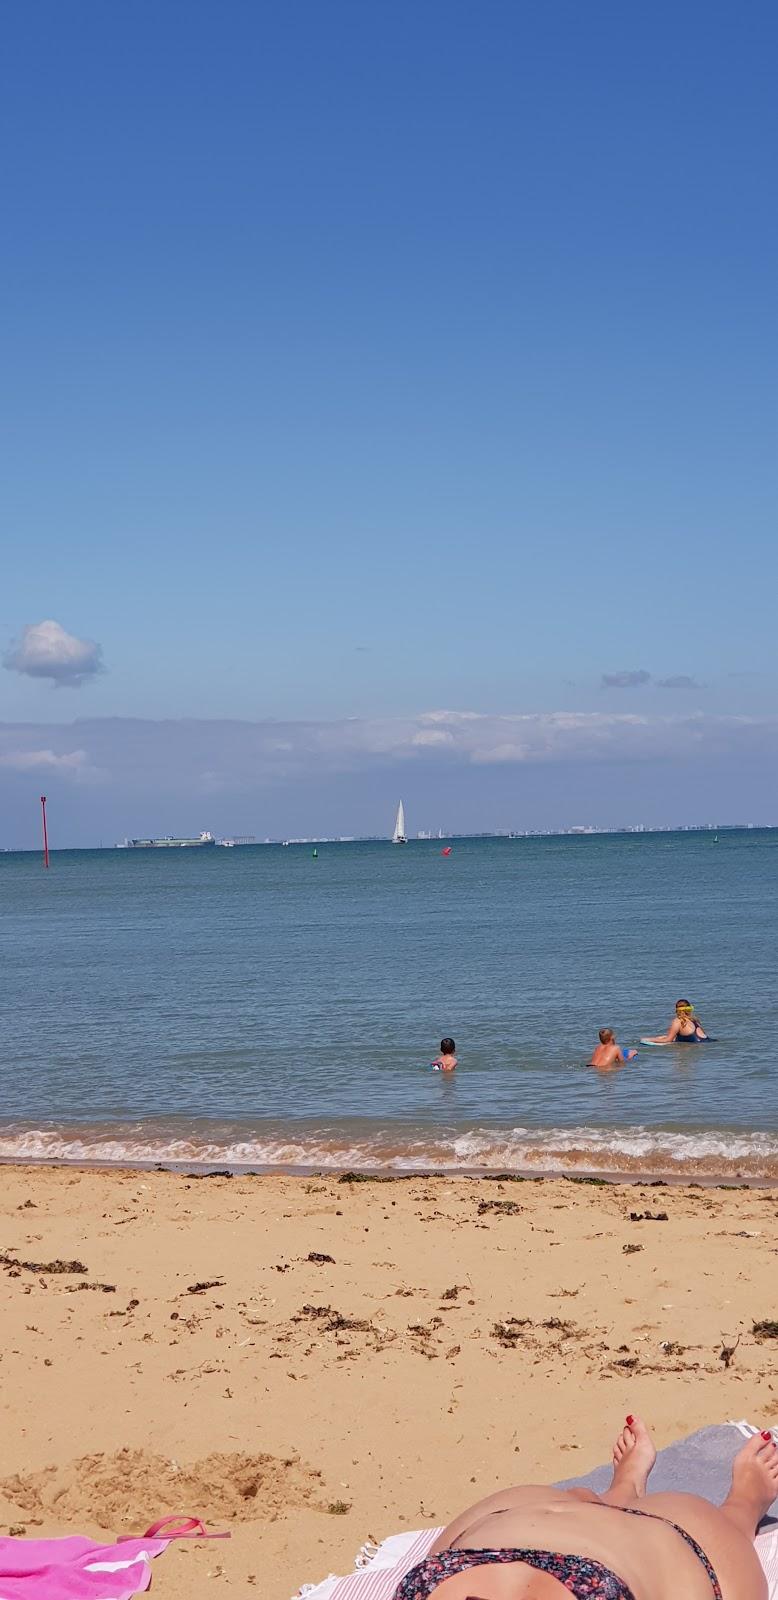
<point x="262" y="1007"/>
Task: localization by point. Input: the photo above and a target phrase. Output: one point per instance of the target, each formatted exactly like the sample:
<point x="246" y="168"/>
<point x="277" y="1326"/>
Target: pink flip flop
<point x="181" y="1528"/>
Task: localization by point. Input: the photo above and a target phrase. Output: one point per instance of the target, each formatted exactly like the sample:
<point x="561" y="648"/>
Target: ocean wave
<point x="632" y="1150"/>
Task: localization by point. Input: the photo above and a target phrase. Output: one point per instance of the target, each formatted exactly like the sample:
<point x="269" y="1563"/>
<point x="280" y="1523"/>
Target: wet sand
<point x="310" y="1361"/>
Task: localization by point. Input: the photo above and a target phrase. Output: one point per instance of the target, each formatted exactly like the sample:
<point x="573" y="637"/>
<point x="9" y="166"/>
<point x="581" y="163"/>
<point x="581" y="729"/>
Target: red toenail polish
<point x="630" y="1421"/>
<point x="766" y="1435"/>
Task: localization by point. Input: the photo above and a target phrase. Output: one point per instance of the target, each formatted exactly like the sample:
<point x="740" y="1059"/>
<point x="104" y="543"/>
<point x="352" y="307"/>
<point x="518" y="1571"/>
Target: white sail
<point x="398" y="837"/>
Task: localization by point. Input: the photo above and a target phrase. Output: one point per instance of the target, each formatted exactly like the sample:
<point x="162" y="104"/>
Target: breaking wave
<point x="712" y="1153"/>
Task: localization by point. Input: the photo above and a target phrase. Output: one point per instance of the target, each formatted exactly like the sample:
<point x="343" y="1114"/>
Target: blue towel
<point x="699" y="1464"/>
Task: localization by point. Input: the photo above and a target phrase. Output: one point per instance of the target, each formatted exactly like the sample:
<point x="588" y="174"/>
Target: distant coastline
<point x="580" y="831"/>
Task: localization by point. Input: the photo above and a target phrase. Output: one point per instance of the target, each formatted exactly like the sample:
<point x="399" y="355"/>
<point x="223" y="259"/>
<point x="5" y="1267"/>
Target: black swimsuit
<point x="583" y="1577"/>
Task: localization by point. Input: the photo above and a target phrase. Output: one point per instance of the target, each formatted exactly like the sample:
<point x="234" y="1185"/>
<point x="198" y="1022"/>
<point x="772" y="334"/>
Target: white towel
<point x="767" y="1551"/>
<point x="378" y="1580"/>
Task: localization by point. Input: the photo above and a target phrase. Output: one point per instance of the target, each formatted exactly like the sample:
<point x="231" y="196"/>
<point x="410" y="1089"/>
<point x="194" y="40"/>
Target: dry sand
<point x="365" y="1356"/>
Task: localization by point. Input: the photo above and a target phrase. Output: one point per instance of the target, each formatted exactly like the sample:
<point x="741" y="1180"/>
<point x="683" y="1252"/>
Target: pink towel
<point x="76" y="1568"/>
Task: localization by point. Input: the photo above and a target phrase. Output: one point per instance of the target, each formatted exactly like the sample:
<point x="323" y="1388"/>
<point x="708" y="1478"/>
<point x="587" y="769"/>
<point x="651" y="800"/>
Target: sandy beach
<point x="312" y="1361"/>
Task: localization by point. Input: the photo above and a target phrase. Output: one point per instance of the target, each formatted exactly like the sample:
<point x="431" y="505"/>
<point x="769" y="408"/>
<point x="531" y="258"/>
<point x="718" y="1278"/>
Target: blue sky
<point x="366" y="360"/>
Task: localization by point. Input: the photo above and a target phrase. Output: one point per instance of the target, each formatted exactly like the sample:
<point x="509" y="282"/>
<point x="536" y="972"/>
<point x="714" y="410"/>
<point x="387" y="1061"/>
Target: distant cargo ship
<point x="168" y="843"/>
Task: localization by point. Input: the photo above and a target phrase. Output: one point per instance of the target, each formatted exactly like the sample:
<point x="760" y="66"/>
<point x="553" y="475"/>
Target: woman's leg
<point x="754" y="1484"/>
<point x="754" y="1476"/>
<point x="726" y="1532"/>
<point x="633" y="1460"/>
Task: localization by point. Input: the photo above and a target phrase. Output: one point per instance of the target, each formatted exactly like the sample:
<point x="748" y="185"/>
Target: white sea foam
<point x="711" y="1152"/>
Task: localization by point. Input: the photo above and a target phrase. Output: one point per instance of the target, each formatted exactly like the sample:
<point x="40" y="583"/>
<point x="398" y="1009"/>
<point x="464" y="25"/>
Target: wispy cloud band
<point x="232" y="755"/>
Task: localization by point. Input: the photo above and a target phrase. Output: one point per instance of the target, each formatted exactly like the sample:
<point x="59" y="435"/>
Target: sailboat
<point x="398" y="837"/>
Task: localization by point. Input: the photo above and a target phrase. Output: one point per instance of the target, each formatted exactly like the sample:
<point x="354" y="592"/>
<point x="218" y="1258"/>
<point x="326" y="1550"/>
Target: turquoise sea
<point x="258" y="1006"/>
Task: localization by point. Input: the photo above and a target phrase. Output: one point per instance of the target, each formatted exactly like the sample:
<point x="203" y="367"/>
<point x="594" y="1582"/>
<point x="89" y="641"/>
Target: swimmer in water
<point x="685" y="1027"/>
<point x="446" y="1061"/>
<point x="608" y="1053"/>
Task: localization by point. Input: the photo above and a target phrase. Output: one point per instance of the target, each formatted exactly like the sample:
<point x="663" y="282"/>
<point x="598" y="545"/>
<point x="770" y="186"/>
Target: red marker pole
<point x="45" y="832"/>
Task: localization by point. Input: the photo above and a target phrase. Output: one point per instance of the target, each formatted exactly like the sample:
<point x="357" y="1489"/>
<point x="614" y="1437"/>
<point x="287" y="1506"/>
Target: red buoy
<point x="446" y="851"/>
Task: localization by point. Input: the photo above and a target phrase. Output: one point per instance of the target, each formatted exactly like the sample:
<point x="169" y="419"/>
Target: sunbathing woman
<point x="544" y="1544"/>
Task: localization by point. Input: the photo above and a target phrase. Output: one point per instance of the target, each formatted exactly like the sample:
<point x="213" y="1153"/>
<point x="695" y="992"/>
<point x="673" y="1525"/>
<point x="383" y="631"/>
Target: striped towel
<point x="379" y="1572"/>
<point x="767" y="1551"/>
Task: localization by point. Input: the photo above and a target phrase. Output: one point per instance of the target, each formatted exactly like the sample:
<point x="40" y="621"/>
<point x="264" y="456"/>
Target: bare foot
<point x="633" y="1458"/>
<point x="754" y="1483"/>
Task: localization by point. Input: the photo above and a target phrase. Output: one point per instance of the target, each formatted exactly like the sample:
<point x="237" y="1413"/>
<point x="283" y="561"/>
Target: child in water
<point x="446" y="1061"/>
<point x="608" y="1053"/>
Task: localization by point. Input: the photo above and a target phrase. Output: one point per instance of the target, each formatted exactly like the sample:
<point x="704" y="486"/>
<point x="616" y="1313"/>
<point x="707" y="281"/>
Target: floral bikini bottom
<point x="585" y="1579"/>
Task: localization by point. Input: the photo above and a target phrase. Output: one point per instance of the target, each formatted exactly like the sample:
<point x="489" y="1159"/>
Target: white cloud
<point x="449" y="716"/>
<point x="493" y="754"/>
<point x="46" y="650"/>
<point x="430" y="737"/>
<point x="72" y="761"/>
